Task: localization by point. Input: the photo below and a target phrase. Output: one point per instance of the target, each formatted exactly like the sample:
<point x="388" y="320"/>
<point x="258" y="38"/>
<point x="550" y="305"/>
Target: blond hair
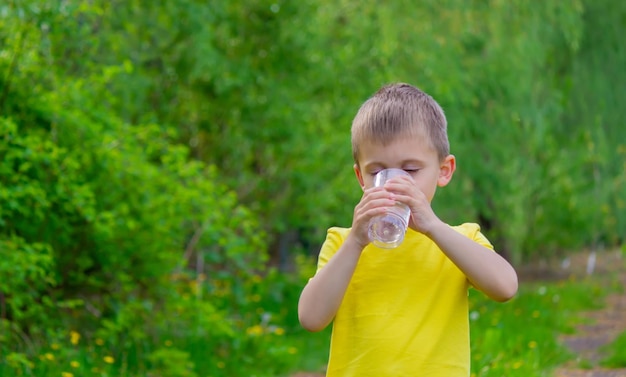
<point x="399" y="110"/>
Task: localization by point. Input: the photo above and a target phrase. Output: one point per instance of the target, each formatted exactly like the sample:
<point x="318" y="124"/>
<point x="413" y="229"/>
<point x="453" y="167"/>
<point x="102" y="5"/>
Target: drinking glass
<point x="387" y="231"/>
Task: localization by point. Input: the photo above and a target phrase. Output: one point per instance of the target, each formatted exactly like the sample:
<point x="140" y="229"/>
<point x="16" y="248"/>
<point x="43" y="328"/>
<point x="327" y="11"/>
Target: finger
<point x="400" y="187"/>
<point x="374" y="208"/>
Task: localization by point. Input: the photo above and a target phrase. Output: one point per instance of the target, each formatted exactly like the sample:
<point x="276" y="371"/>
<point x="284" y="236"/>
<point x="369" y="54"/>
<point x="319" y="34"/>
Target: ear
<point x="447" y="168"/>
<point x="359" y="176"/>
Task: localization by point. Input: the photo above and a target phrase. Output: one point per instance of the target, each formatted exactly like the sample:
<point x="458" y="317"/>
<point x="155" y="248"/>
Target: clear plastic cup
<point x="387" y="231"/>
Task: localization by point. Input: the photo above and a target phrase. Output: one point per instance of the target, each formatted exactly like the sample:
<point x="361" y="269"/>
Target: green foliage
<point x="264" y="339"/>
<point x="27" y="272"/>
<point x="519" y="338"/>
<point x="595" y="116"/>
<point x="102" y="220"/>
<point x="171" y="363"/>
<point x="27" y="268"/>
<point x="152" y="155"/>
<point x="266" y="91"/>
<point x="616" y="353"/>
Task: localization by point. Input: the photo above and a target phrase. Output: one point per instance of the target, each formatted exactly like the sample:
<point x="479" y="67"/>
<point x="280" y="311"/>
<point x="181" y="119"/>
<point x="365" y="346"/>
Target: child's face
<point x="413" y="154"/>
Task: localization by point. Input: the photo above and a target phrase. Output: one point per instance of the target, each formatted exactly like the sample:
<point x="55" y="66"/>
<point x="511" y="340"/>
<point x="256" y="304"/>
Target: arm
<point x="486" y="270"/>
<point x="322" y="296"/>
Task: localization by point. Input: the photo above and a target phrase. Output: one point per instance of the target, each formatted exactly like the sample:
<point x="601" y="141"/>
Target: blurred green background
<point x="168" y="169"/>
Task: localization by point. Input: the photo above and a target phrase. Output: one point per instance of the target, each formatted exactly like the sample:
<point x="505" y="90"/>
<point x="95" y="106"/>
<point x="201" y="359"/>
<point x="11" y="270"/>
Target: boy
<point x="404" y="311"/>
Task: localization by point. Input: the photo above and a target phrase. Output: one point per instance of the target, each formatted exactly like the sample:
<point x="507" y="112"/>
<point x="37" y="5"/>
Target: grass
<point x="517" y="338"/>
<point x="520" y="338"/>
<point x="616" y="351"/>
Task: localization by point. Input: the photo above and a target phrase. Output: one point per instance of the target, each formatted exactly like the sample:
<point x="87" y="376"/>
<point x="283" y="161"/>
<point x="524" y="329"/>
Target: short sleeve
<point x="334" y="239"/>
<point x="472" y="231"/>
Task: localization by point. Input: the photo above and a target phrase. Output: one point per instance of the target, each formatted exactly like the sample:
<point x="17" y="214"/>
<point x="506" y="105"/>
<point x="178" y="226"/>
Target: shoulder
<point x="337" y="233"/>
<point x="467" y="228"/>
<point x="472" y="231"/>
<point x="335" y="237"/>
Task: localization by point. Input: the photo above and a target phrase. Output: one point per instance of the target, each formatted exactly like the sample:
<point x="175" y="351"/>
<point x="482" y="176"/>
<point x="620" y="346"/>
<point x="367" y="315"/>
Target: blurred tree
<point x="261" y="94"/>
<point x="266" y="91"/>
<point x="149" y="147"/>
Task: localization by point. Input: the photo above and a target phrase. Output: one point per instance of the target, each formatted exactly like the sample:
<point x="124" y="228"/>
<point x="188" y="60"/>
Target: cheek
<point x="368" y="182"/>
<point x="428" y="185"/>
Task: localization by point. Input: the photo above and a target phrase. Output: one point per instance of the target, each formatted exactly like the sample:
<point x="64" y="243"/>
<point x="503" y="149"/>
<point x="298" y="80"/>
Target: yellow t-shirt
<point x="405" y="312"/>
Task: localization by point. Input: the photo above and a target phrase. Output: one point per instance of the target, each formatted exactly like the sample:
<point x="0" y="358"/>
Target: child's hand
<point x="374" y="202"/>
<point x="406" y="191"/>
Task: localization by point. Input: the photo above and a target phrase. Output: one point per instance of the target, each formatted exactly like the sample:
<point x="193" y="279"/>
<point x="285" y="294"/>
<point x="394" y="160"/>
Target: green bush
<point x="102" y="237"/>
<point x="153" y="154"/>
<point x="265" y="91"/>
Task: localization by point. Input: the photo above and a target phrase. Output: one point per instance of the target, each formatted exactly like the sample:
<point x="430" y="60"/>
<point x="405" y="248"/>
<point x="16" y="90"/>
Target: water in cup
<point x="387" y="231"/>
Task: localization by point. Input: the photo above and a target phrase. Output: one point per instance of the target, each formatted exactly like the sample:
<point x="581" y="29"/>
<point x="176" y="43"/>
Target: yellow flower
<point x="254" y="330"/>
<point x="279" y="331"/>
<point x="536" y="314"/>
<point x="55" y="346"/>
<point x="49" y="356"/>
<point x="74" y="364"/>
<point x="532" y="344"/>
<point x="108" y="359"/>
<point x="66" y="374"/>
<point x="518" y="364"/>
<point x="99" y="341"/>
<point x="74" y="337"/>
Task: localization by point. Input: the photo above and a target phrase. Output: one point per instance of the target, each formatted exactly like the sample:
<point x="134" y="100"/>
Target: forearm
<point x="322" y="296"/>
<point x="486" y="270"/>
